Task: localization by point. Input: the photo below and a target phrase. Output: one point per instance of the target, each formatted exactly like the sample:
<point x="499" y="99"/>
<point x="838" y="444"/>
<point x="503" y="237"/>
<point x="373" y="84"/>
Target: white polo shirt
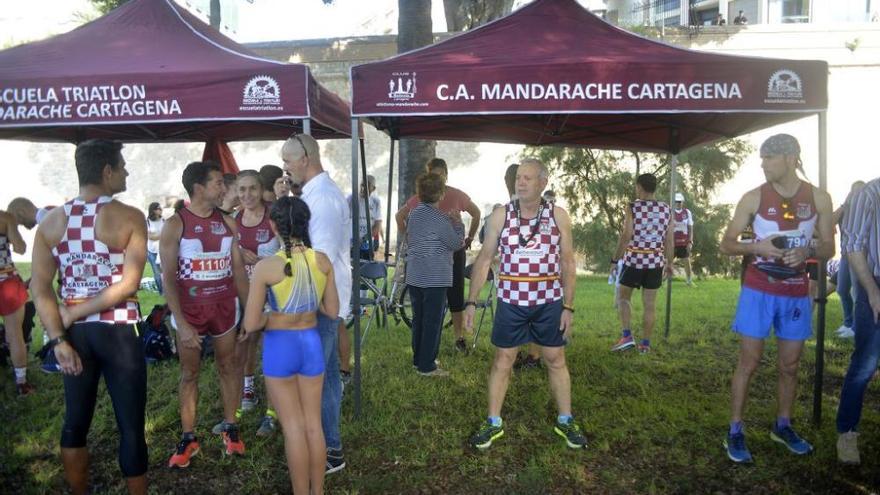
<point x="330" y="231"/>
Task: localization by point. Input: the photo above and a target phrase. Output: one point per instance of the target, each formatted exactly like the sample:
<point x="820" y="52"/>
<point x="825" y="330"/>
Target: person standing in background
<point x="155" y="222"/>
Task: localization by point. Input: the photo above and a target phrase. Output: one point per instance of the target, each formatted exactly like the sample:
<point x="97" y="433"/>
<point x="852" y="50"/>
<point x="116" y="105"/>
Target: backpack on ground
<point x="158" y="343"/>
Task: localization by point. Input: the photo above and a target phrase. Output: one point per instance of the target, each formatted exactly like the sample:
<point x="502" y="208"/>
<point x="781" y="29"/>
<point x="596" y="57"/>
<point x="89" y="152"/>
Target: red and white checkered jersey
<point x="682" y="220"/>
<point x="650" y="223"/>
<point x="258" y="239"/>
<point x="795" y="220"/>
<point x="204" y="261"/>
<point x="87" y="266"/>
<point x="7" y="268"/>
<point x="529" y="275"/>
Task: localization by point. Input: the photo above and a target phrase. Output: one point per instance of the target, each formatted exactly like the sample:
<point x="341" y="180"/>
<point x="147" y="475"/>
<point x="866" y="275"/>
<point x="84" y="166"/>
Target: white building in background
<point x="704" y="12"/>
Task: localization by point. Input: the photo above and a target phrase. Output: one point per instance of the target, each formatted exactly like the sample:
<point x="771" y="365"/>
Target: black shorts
<point x="682" y="252"/>
<point x="455" y="294"/>
<point x="645" y="278"/>
<point x="517" y="325"/>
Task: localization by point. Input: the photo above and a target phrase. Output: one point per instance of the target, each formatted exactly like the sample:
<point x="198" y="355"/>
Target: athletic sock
<point x="495" y="420"/>
<point x="782" y="422"/>
<point x="646" y="342"/>
<point x="736" y="427"/>
<point x="21" y="375"/>
<point x="189" y="436"/>
<point x="564" y="419"/>
<point x="249" y="382"/>
<point x="627" y="333"/>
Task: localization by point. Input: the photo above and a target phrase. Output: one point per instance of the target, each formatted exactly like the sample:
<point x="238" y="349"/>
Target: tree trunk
<point x="414" y="30"/>
<point x="214" y="15"/>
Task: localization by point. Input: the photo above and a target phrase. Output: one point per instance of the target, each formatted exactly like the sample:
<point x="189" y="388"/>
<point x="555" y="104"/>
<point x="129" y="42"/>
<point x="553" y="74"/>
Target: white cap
<point x="679" y="197"/>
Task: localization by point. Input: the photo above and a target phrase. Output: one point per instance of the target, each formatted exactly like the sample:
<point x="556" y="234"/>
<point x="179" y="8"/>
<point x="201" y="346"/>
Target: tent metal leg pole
<point x="367" y="201"/>
<point x="821" y="299"/>
<point x="673" y="162"/>
<point x="388" y="201"/>
<point x="355" y="270"/>
<point x="307" y="127"/>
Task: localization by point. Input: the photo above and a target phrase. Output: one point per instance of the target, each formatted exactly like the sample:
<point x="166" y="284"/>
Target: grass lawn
<point x="654" y="422"/>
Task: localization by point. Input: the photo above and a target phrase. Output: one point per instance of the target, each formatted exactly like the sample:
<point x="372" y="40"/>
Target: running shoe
<point x="845" y="332"/>
<point x="436" y="372"/>
<point x="249" y="399"/>
<point x="231" y="440"/>
<point x="487" y="434"/>
<point x="335" y="461"/>
<point x="848" y="448"/>
<point x="345" y="376"/>
<point x="50" y="363"/>
<point x="735" y="445"/>
<point x="460" y="345"/>
<point x="186" y="449"/>
<point x="572" y="434"/>
<point x="267" y="426"/>
<point x="24" y="389"/>
<point x="526" y="361"/>
<point x="623" y="344"/>
<point x="787" y="436"/>
<point x="644" y="349"/>
<point x="218" y="428"/>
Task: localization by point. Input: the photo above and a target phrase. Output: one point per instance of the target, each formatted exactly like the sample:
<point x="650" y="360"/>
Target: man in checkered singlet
<point x="99" y="246"/>
<point x="646" y="245"/>
<point x="536" y="286"/>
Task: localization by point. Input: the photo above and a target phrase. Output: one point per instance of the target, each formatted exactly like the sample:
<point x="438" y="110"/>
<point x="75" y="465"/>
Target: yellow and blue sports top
<point x="302" y="291"/>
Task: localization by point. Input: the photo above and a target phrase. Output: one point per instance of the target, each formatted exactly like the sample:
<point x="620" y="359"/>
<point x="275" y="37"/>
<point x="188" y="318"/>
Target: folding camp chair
<point x="374" y="278"/>
<point x="483" y="305"/>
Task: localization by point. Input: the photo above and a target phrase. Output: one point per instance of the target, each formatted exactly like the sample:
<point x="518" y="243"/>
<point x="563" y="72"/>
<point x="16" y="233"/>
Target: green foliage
<point x="104" y="6"/>
<point x="598" y="184"/>
<point x="654" y="422"/>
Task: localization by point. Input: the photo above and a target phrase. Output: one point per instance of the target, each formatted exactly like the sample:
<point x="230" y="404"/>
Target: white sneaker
<point x="848" y="448"/>
<point x="845" y="332"/>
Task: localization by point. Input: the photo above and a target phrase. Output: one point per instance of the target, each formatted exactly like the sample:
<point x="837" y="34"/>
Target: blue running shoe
<point x="50" y="363"/>
<point x="790" y="439"/>
<point x="736" y="448"/>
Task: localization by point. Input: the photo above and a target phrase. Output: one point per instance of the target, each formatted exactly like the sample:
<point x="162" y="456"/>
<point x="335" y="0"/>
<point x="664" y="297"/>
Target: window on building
<point x="788" y="11"/>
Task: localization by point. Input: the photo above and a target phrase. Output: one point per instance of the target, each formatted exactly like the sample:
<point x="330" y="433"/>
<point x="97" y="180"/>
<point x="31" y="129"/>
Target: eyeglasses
<point x="303" y="146"/>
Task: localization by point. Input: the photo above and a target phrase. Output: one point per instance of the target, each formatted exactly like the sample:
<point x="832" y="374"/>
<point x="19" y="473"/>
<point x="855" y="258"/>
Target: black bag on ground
<point x="158" y="342"/>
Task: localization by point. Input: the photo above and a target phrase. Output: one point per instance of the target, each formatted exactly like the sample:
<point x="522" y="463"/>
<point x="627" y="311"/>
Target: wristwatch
<point x="570" y="308"/>
<point x="470" y="303"/>
<point x="57" y="340"/>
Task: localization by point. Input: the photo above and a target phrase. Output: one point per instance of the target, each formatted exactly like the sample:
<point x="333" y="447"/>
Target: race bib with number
<point x="211" y="266"/>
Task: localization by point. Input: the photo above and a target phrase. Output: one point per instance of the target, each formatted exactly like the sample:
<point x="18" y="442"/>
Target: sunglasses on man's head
<point x="303" y="146"/>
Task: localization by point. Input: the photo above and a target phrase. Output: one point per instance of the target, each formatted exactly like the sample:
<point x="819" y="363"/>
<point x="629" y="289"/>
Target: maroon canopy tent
<point x="150" y="71"/>
<point x="552" y="73"/>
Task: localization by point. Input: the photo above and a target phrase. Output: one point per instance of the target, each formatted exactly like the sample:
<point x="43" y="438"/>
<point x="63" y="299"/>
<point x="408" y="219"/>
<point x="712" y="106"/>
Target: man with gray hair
<point x="330" y="233"/>
<point x="783" y="213"/>
<point x="860" y="243"/>
<point x="536" y="287"/>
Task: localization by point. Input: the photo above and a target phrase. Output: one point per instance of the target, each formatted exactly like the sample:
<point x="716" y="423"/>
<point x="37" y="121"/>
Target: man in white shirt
<point x="330" y="233"/>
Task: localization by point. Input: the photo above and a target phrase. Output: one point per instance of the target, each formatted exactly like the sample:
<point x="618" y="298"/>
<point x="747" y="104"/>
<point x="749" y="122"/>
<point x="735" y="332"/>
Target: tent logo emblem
<point x="402" y="86"/>
<point x="785" y="86"/>
<point x="261" y="92"/>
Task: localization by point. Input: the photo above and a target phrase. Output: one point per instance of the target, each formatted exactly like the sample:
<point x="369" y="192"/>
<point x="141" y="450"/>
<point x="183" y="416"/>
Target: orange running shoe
<point x="231" y="440"/>
<point x="186" y="449"/>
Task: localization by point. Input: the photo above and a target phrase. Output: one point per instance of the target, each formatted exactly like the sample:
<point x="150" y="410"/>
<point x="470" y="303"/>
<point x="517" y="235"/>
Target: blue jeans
<point x="157" y="271"/>
<point x="862" y="365"/>
<point x="844" y="290"/>
<point x="331" y="396"/>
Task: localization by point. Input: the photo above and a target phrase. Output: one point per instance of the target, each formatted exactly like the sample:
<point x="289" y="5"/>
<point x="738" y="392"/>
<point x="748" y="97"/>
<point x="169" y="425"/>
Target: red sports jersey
<point x="682" y="220"/>
<point x="794" y="219"/>
<point x="650" y="223"/>
<point x="530" y="260"/>
<point x="7" y="268"/>
<point x="259" y="239"/>
<point x="87" y="266"/>
<point x="204" y="262"/>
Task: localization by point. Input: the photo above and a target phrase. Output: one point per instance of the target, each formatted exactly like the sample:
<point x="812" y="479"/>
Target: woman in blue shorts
<point x="298" y="283"/>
